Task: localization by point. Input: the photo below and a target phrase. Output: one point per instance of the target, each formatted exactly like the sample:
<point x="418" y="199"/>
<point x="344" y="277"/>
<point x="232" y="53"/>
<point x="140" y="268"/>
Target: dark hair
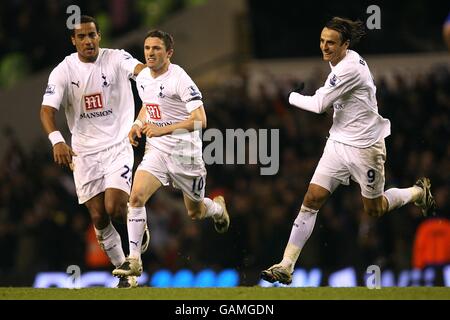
<point x="164" y="36"/>
<point x="348" y="29"/>
<point x="86" y="19"/>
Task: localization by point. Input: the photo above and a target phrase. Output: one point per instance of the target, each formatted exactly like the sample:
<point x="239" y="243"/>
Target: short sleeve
<point x="127" y="63"/>
<point x="56" y="86"/>
<point x="189" y="92"/>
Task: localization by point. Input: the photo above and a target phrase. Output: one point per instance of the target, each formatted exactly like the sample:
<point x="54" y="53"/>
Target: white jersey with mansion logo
<point x="351" y="91"/>
<point x="170" y="98"/>
<point x="97" y="98"/>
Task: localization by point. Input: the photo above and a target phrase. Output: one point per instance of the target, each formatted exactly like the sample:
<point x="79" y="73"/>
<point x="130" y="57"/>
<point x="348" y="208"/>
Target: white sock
<point x="397" y="198"/>
<point x="213" y="209"/>
<point x="300" y="233"/>
<point x="136" y="222"/>
<point x="109" y="240"/>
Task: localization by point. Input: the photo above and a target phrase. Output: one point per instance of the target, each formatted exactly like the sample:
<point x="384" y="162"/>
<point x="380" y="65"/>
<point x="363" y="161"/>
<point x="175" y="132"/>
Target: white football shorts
<point x="340" y="162"/>
<point x="188" y="175"/>
<point x="109" y="168"/>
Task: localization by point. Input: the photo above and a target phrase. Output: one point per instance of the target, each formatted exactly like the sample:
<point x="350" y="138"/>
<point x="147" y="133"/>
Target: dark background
<point x="284" y="29"/>
<point x="42" y="227"/>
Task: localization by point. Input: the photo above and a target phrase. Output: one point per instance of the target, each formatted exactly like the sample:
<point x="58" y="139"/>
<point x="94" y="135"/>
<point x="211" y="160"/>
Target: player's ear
<point x="99" y="36"/>
<point x="347" y="44"/>
<point x="169" y="53"/>
<point x="72" y="38"/>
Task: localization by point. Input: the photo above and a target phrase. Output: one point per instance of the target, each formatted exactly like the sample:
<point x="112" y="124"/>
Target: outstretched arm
<point x="333" y="89"/>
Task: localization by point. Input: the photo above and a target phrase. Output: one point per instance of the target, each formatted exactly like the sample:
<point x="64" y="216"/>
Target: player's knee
<point x="137" y="200"/>
<point x="374" y="211"/>
<point x="117" y="211"/>
<point x="312" y="201"/>
<point x="194" y="214"/>
<point x="99" y="220"/>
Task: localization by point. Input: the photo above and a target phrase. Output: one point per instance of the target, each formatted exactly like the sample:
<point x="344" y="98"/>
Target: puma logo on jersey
<point x="108" y="249"/>
<point x="134" y="242"/>
<point x="338" y="106"/>
<point x="76" y="83"/>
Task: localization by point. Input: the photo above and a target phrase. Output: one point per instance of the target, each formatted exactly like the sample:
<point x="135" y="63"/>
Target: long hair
<point x="349" y="30"/>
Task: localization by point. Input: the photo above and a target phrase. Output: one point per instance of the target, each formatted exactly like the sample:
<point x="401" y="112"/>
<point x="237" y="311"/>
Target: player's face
<point x="156" y="56"/>
<point x="86" y="40"/>
<point x="332" y="48"/>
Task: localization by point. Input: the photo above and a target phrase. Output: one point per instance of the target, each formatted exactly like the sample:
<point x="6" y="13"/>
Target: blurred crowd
<point x="42" y="227"/>
<point x="33" y="34"/>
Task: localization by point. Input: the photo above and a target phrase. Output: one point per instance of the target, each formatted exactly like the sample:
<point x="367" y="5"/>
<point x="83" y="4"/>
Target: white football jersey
<point x="170" y="98"/>
<point x="350" y="90"/>
<point x="97" y="98"/>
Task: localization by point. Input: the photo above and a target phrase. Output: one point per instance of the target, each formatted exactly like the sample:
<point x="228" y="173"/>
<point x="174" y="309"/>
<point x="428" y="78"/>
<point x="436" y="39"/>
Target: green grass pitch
<point x="238" y="293"/>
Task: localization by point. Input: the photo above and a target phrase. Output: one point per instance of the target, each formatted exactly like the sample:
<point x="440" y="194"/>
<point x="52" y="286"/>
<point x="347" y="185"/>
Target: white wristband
<point x="56" y="137"/>
<point x="138" y="123"/>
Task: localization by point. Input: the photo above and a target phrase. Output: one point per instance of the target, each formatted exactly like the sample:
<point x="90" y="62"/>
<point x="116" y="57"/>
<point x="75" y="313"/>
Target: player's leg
<point x="107" y="235"/>
<point x="375" y="207"/>
<point x="206" y="208"/>
<point x="369" y="173"/>
<point x="191" y="179"/>
<point x="117" y="164"/>
<point x="302" y="229"/>
<point x="116" y="204"/>
<point x="419" y="194"/>
<point x="90" y="186"/>
<point x="329" y="174"/>
<point x="144" y="186"/>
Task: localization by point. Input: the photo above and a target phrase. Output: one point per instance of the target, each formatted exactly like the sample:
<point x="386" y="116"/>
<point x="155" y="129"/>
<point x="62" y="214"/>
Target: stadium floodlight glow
<point x="446" y="274"/>
<point x="315" y="277"/>
<point x="50" y="279"/>
<point x="160" y="279"/>
<point x="387" y="279"/>
<point x="343" y="278"/>
<point x="227" y="278"/>
<point x="205" y="278"/>
<point x="186" y="278"/>
<point x="183" y="279"/>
